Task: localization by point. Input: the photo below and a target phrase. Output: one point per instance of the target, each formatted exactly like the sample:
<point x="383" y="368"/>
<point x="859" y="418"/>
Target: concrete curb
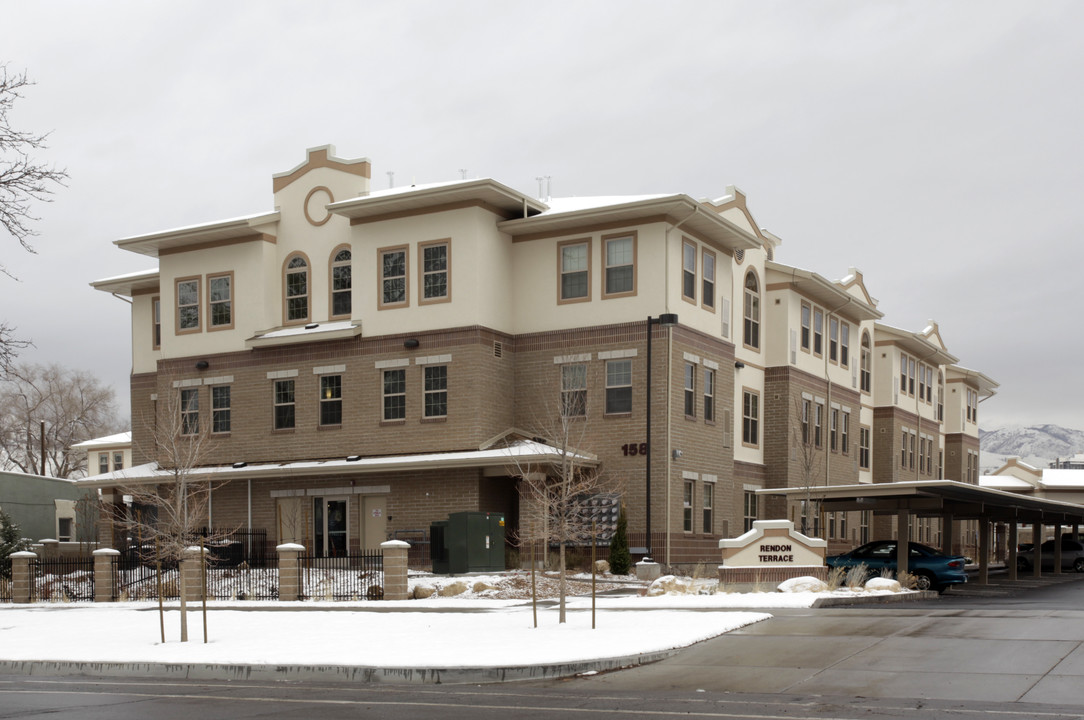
<point x="875" y="599"/>
<point x="328" y="673"/>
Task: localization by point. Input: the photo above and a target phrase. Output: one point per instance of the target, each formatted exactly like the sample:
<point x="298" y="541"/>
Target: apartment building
<point x="358" y="364"/>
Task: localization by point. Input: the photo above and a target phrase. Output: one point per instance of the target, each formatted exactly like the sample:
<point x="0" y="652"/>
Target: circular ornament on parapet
<point x="315" y="211"/>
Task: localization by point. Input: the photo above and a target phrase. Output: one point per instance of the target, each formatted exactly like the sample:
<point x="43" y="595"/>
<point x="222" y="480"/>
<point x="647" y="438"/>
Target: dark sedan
<point x="932" y="569"/>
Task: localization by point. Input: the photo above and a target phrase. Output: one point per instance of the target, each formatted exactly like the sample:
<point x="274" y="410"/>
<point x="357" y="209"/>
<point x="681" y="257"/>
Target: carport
<point x="950" y="501"/>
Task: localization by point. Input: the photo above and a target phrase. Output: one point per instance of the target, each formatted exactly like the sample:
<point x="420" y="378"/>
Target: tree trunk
<point x="563" y="587"/>
<point x="184" y="605"/>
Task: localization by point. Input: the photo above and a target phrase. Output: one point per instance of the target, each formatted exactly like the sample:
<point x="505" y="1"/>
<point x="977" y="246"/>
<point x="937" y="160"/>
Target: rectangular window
<point x="284" y="404"/>
<point x="393" y="276"/>
<point x="921" y="382"/>
<point x="750" y="426"/>
<point x="220" y="300"/>
<point x="189" y="411"/>
<point x="620" y="266"/>
<point x="845" y="434"/>
<point x="832" y="525"/>
<point x="903" y="373"/>
<point x="921" y="452"/>
<point x="688" y="271"/>
<point x="436" y="391"/>
<point x="103" y="462"/>
<point x="807" y="312"/>
<point x="709" y="395"/>
<point x="845" y="345"/>
<point x="833" y="339"/>
<point x="618" y="386"/>
<point x="863" y="448"/>
<point x="188" y="305"/>
<point x="818" y="424"/>
<point x="749" y="510"/>
<point x="575" y="269"/>
<point x="156" y="310"/>
<point x="805" y="421"/>
<point x="687" y="509"/>
<point x="435" y="269"/>
<point x="64" y="529"/>
<point x="690" y="390"/>
<point x="331" y="399"/>
<point x="833" y="429"/>
<point x="929" y="457"/>
<point x="574" y="390"/>
<point x="118" y="461"/>
<point x="818" y="332"/>
<point x="708" y="502"/>
<point x="707" y="298"/>
<point x="911" y="377"/>
<point x="863" y="526"/>
<point x="395" y="394"/>
<point x="911" y="453"/>
<point x="220" y="409"/>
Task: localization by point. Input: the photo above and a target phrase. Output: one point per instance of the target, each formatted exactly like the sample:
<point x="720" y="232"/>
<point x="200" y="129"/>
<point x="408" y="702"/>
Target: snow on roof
<point x="124" y="438"/>
<point x="574" y="204"/>
<point x="1004" y="482"/>
<point x="305" y="329"/>
<point x="403" y="189"/>
<point x="129" y="276"/>
<point x="1063" y="479"/>
<point x="522" y="451"/>
<point x="198" y="226"/>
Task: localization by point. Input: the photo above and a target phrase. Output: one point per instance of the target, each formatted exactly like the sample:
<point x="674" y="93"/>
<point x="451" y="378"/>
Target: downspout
<point x="669" y="378"/>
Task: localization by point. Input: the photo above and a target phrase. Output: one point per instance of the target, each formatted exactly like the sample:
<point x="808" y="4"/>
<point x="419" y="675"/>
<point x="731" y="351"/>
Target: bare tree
<point x="176" y="502"/>
<point x="808" y="456"/>
<point x="73" y="405"/>
<point x="22" y="179"/>
<point x="555" y="490"/>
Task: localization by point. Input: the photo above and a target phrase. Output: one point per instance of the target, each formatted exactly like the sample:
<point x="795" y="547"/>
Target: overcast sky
<point x="936" y="146"/>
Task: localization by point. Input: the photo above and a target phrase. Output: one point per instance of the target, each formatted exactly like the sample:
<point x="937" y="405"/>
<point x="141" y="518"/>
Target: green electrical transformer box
<point x="468" y="542"/>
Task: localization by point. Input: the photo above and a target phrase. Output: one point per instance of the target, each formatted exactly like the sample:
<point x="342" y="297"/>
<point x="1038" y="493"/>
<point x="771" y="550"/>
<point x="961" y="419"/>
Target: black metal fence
<point x="136" y="577"/>
<point x="5" y="589"/>
<point x="62" y="580"/>
<point x="243" y="581"/>
<point x="357" y="576"/>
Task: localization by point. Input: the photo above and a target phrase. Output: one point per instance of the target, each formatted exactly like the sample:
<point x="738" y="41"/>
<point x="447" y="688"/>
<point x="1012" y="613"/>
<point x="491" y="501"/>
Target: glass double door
<point x="330" y="525"/>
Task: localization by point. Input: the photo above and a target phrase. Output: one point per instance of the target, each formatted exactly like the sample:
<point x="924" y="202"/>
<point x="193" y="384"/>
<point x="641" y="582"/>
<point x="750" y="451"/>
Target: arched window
<point x="296" y="282"/>
<point x="866" y="378"/>
<point x="752" y="311"/>
<point x="340" y="283"/>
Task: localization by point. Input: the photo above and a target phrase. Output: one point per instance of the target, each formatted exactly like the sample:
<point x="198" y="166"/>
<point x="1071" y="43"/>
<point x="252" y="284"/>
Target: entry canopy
<point x="935" y="498"/>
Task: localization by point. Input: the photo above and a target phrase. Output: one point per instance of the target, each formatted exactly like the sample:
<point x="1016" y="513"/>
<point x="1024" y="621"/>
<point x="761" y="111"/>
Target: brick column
<point x="193" y="578"/>
<point x="21" y="577"/>
<point x="289" y="571"/>
<point x="103" y="575"/>
<point x="395" y="569"/>
<point x="50" y="549"/>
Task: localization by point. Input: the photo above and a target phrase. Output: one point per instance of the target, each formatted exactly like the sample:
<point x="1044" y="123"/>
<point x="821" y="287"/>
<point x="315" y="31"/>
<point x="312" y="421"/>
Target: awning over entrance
<point x="945" y="499"/>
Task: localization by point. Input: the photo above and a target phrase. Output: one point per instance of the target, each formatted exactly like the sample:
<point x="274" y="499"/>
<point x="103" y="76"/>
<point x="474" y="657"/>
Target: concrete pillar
<point x="1010" y="564"/>
<point x="1057" y="549"/>
<point x="22" y="576"/>
<point x="395" y="569"/>
<point x="50" y="549"/>
<point x="192" y="569"/>
<point x="289" y="571"/>
<point x="1036" y="548"/>
<point x="903" y="543"/>
<point x="104" y="577"/>
<point x="984" y="551"/>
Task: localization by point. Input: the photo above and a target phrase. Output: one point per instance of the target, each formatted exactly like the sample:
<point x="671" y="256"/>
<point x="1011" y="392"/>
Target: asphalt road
<point x="1010" y="654"/>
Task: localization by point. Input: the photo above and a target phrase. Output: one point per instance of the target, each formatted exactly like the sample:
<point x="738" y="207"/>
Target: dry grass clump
<point x="907" y="581"/>
<point x="835" y="578"/>
<point x="856" y="577"/>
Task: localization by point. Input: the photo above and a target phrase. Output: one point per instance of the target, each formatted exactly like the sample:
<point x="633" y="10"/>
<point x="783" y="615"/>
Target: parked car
<point x="932" y="569"/>
<point x="1072" y="556"/>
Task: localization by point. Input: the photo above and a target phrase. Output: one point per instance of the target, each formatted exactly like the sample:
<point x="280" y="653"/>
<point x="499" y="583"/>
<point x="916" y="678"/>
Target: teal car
<point x="932" y="569"/>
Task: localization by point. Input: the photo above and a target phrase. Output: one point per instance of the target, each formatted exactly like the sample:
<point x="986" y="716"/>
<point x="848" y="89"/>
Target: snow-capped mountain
<point x="1037" y="445"/>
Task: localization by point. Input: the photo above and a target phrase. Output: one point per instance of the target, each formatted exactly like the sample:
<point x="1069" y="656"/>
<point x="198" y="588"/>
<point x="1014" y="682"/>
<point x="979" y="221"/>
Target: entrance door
<point x="329" y="526"/>
<point x="374" y="521"/>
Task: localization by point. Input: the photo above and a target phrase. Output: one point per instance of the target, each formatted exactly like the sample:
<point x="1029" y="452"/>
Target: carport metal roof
<point x="934" y="498"/>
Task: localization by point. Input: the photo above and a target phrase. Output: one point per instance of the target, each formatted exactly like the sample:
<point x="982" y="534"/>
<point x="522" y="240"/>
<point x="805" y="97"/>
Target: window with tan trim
<point x="865" y="372"/>
<point x="188" y="312"/>
<point x="342" y="302"/>
<point x="845" y="434"/>
<point x="295" y="283"/>
<point x="807" y="326"/>
<point x="574" y="271"/>
<point x="833" y="339"/>
<point x="687" y="507"/>
<point x="708" y="504"/>
<point x="156" y="322"/>
<point x="818" y="332"/>
<point x="818" y="424"/>
<point x="688" y="271"/>
<point x="393" y="277"/>
<point x="864" y="442"/>
<point x="750" y="410"/>
<point x="690" y="390"/>
<point x="619" y="278"/>
<point x="752" y="312"/>
<point x="435" y="271"/>
<point x="707" y="294"/>
<point x="844" y="345"/>
<point x="220" y="301"/>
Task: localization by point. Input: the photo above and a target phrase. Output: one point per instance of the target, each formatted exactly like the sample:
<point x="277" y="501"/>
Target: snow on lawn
<point x="385" y="635"/>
